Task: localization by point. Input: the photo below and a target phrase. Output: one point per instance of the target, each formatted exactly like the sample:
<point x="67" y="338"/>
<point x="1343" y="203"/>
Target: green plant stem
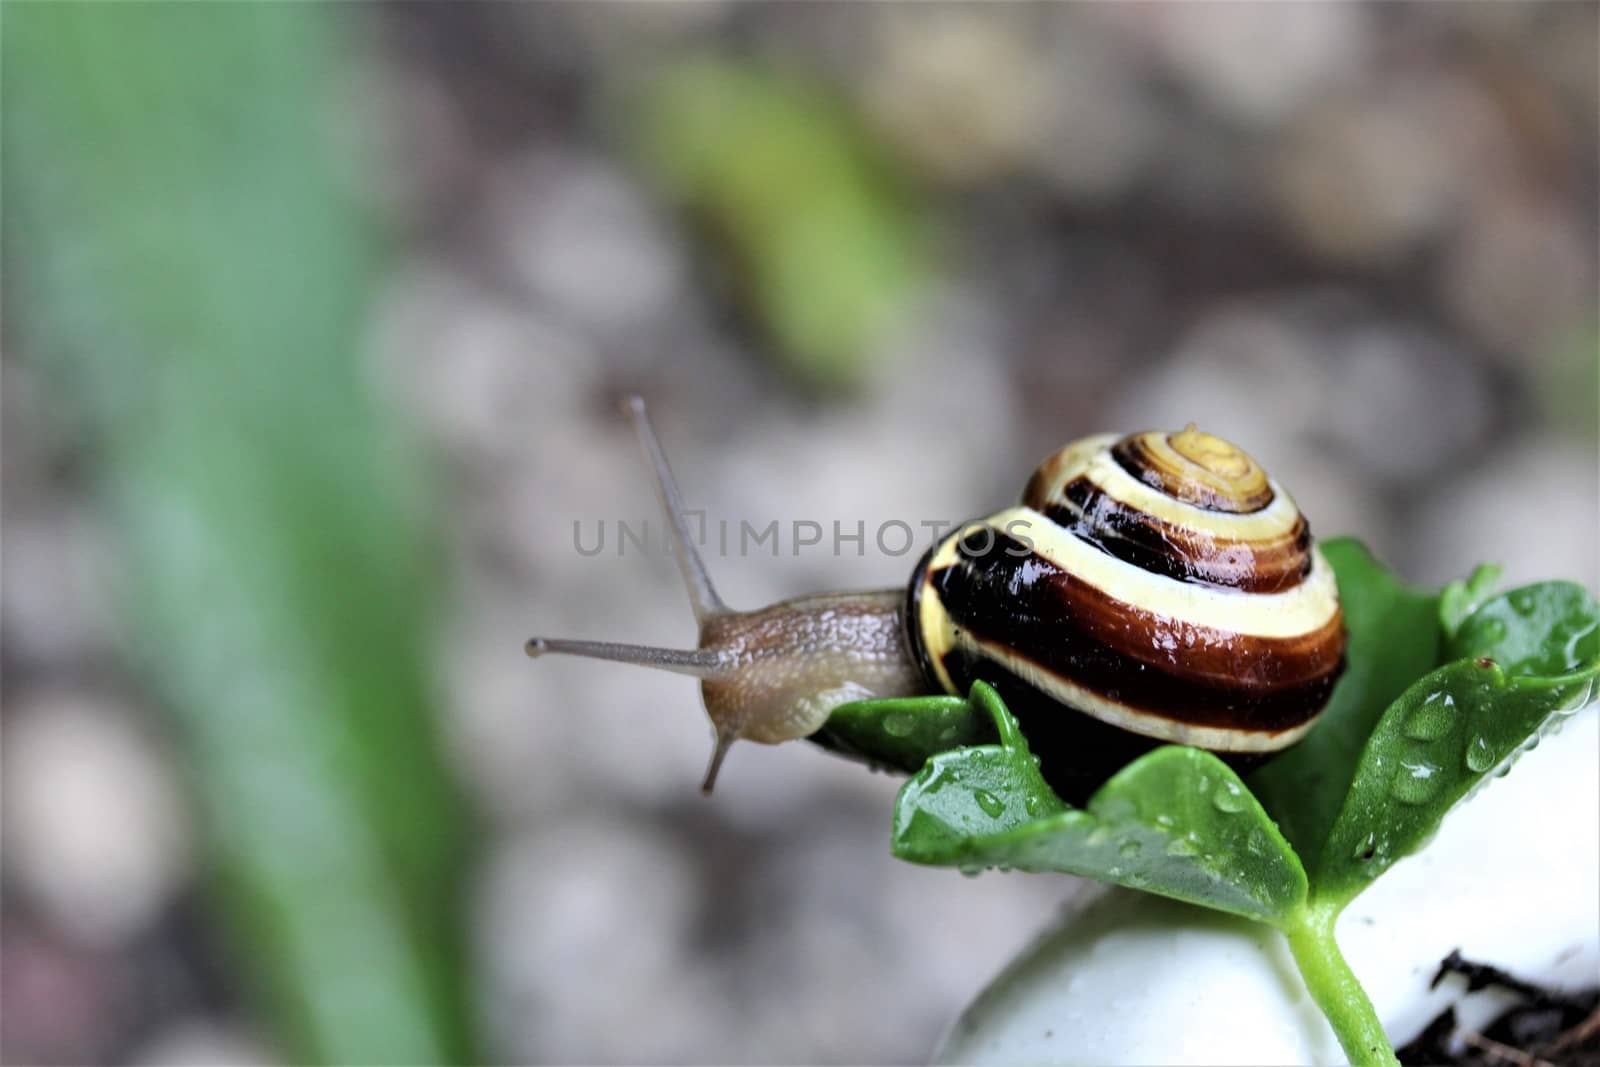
<point x="1335" y="988"/>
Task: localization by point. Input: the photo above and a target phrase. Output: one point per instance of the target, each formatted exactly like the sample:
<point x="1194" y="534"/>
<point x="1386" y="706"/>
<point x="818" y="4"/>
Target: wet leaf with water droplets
<point x="1177" y="822"/>
<point x="1395" y="638"/>
<point x="1520" y="674"/>
<point x="1539" y="630"/>
<point x="903" y="732"/>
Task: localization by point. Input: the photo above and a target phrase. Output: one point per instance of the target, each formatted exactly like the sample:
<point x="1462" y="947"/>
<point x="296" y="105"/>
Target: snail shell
<point x="1154" y="588"/>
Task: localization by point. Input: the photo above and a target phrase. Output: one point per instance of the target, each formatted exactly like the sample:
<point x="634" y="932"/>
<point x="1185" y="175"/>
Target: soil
<point x="1548" y="1027"/>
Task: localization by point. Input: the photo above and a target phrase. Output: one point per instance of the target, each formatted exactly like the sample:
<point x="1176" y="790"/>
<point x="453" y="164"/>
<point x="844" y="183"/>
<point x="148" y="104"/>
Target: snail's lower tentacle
<point x="699" y="663"/>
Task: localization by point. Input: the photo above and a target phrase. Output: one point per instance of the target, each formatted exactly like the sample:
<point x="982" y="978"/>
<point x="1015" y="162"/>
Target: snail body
<point x="1149" y="589"/>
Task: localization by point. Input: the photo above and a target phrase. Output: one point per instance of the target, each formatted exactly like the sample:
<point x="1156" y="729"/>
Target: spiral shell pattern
<point x="1160" y="584"/>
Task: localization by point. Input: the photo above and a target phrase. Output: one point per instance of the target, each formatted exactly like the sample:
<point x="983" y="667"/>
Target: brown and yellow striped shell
<point x="1150" y="589"/>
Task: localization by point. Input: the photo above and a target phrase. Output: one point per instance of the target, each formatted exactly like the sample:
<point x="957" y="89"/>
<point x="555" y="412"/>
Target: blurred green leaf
<point x="185" y="263"/>
<point x="822" y="241"/>
<point x="1568" y="380"/>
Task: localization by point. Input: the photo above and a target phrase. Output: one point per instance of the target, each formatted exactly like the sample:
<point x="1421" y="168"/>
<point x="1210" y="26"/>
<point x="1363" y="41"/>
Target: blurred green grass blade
<point x="824" y="240"/>
<point x="183" y="261"/>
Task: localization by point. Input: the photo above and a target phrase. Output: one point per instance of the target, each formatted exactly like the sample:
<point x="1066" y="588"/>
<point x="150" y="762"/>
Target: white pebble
<point x="96" y="833"/>
<point x="203" y="1043"/>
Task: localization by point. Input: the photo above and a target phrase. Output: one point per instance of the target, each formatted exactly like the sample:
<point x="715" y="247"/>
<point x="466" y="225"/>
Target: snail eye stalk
<point x="703" y="596"/>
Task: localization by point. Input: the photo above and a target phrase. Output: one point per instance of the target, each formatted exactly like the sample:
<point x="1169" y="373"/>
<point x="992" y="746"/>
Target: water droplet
<point x="1573" y="648"/>
<point x="1493" y="630"/>
<point x="1033" y="805"/>
<point x="1129" y="849"/>
<point x="1114" y="871"/>
<point x="992" y="805"/>
<point x="1118" y="809"/>
<point x="1098" y="836"/>
<point x="1181" y="846"/>
<point x="1163" y="819"/>
<point x="1416" y="782"/>
<point x="947" y="735"/>
<point x="971" y="870"/>
<point x="1480" y="756"/>
<point x="1523" y="602"/>
<point x="1578" y="699"/>
<point x="1229" y="798"/>
<point x="1256" y="842"/>
<point x="1431" y="719"/>
<point x="899" y="724"/>
<point x="1366" y="849"/>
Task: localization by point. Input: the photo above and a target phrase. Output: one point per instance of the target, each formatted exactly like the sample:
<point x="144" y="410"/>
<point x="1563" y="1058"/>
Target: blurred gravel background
<point x="1360" y="241"/>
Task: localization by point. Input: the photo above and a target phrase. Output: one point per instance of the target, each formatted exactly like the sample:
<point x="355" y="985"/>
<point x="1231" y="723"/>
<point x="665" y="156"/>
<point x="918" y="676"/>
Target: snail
<point x="1154" y="588"/>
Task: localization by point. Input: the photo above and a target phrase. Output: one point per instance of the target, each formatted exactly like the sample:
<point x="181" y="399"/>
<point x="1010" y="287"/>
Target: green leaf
<point x="1394" y="639"/>
<point x="194" y="281"/>
<point x="1545" y="629"/>
<point x="823" y="237"/>
<point x="1464" y="596"/>
<point x="1176" y="822"/>
<point x="1536" y="659"/>
<point x="905" y="732"/>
